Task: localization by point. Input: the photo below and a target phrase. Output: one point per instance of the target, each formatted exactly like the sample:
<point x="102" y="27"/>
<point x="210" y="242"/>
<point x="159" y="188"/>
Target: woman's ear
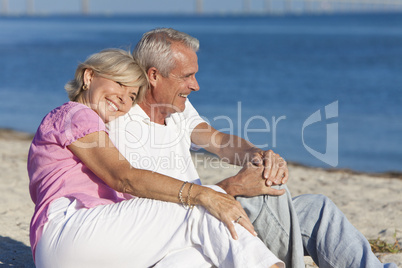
<point x="88" y="75"/>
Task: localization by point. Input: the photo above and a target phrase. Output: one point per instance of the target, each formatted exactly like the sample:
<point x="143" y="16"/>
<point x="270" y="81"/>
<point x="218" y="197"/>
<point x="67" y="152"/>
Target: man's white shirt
<point x="163" y="149"/>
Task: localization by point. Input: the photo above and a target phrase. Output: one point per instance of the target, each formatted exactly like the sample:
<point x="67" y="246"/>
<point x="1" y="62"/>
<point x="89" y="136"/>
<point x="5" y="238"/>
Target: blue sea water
<point x="261" y="77"/>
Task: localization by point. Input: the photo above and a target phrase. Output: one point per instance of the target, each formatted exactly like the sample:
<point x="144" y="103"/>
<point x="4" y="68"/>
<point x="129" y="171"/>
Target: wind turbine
<point x="30" y="7"/>
<point x="4" y="7"/>
<point x="198" y="6"/>
<point x="85" y="7"/>
<point x="246" y="6"/>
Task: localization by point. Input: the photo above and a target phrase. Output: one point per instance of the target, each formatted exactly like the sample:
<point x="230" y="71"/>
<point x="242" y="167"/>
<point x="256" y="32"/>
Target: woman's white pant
<point x="140" y="233"/>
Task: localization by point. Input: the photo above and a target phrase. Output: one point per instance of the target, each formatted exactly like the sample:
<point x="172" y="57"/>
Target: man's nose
<point x="194" y="84"/>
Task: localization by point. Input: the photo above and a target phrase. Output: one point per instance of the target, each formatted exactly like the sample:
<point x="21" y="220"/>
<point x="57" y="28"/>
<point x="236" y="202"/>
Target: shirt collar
<point x="137" y="113"/>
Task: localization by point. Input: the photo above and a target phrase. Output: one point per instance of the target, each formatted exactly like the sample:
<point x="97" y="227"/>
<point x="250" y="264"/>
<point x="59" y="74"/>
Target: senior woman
<point x="92" y="209"/>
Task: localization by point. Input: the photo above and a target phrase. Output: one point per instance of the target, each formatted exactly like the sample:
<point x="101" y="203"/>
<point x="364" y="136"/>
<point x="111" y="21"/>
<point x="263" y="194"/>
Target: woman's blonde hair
<point x="115" y="64"/>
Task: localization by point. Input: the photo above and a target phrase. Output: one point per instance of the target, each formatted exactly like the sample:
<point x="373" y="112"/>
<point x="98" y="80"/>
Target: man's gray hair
<point x="154" y="48"/>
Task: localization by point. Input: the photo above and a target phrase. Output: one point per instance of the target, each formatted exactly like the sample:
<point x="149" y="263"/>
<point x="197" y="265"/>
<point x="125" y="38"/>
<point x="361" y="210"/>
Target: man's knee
<point x="313" y="204"/>
<point x="313" y="199"/>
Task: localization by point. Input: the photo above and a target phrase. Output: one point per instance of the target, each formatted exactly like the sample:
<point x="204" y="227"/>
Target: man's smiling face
<point x="173" y="90"/>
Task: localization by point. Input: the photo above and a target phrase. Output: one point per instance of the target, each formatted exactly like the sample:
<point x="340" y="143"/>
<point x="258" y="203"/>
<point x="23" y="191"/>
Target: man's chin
<point x="179" y="108"/>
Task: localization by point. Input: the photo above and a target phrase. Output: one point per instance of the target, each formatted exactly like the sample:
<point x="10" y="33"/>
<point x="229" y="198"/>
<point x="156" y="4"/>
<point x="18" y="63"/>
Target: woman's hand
<point x="226" y="209"/>
<point x="248" y="182"/>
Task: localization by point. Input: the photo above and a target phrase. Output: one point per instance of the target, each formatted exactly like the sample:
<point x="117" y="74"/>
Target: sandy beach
<point x="372" y="202"/>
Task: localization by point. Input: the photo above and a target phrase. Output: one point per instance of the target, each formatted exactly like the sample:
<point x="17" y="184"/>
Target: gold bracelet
<point x="181" y="194"/>
<point x="189" y="196"/>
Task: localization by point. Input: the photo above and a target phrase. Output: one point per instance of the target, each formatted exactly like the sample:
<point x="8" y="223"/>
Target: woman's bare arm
<point x="99" y="154"/>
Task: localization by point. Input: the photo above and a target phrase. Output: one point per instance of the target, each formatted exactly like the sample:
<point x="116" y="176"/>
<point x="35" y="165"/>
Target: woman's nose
<point x="122" y="98"/>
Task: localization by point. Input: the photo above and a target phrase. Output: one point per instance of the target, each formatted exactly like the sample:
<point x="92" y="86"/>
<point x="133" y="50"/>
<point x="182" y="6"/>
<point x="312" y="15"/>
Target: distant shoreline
<point x="10" y="134"/>
<point x="219" y="14"/>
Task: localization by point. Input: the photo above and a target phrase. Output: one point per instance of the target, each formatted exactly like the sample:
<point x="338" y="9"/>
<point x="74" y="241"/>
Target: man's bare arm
<point x="238" y="151"/>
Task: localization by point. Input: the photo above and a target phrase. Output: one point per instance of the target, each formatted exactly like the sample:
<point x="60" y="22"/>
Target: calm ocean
<point x="320" y="90"/>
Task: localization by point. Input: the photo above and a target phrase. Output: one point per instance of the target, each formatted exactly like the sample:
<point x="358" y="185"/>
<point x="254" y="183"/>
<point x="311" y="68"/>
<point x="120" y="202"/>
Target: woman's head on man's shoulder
<point x="110" y="82"/>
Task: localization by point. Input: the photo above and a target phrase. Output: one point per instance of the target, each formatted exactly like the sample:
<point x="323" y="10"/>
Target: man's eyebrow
<point x="189" y="74"/>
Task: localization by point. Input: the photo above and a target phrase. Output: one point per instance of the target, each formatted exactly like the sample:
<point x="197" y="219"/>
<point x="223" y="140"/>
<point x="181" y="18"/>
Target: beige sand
<point x="372" y="203"/>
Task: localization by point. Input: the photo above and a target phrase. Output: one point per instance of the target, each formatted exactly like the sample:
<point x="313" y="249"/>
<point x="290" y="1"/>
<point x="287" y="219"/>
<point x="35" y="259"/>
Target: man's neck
<point x="154" y="112"/>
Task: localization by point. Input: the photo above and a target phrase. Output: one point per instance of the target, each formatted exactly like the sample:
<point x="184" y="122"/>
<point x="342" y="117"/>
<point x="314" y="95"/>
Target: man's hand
<point x="275" y="167"/>
<point x="248" y="182"/>
<point x="238" y="151"/>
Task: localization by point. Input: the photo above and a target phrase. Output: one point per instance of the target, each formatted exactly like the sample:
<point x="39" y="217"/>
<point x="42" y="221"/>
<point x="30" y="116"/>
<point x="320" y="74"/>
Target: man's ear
<point x="153" y="75"/>
<point x="88" y="75"/>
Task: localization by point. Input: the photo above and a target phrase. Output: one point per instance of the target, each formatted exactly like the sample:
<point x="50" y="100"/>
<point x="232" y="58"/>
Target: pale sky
<point x="189" y="6"/>
<point x="132" y="6"/>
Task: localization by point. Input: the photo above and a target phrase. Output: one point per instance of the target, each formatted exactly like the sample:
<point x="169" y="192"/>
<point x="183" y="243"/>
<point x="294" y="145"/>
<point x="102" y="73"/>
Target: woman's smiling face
<point x="109" y="99"/>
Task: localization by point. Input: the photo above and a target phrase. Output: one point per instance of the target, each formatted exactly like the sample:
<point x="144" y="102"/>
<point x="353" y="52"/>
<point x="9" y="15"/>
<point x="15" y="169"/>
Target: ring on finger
<point x="238" y="219"/>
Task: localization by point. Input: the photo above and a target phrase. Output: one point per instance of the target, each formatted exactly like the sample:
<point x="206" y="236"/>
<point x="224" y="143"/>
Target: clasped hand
<point x="255" y="178"/>
<point x="275" y="167"/>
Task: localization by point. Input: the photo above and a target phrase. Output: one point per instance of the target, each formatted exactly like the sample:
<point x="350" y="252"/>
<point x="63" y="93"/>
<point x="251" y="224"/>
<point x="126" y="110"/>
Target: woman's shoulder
<point x="67" y="110"/>
<point x="67" y="117"/>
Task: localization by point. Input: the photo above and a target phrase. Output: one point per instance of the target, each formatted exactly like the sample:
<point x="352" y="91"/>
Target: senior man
<point x="157" y="135"/>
